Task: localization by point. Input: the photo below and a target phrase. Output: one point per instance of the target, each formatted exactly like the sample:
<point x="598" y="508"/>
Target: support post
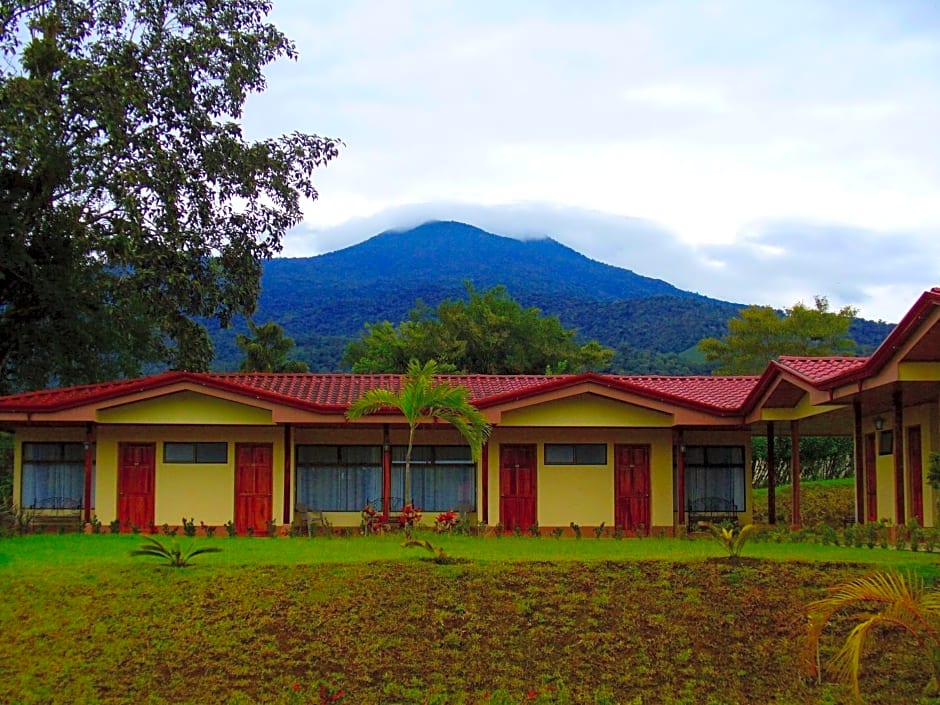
<point x="859" y="456"/>
<point x="485" y="482"/>
<point x="386" y="473"/>
<point x="898" y="434"/>
<point x="89" y="464"/>
<point x="771" y="474"/>
<point x="795" y="472"/>
<point x="680" y="477"/>
<point x="288" y="451"/>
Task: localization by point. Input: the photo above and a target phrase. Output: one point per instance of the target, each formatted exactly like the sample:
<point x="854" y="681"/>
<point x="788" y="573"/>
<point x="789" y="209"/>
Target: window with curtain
<point x="442" y="477"/>
<point x="338" y="478"/>
<point x="54" y="476"/>
<point x="715" y="471"/>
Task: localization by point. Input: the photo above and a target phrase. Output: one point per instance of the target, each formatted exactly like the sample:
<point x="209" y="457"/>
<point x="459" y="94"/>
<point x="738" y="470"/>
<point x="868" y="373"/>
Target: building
<point x="587" y="448"/>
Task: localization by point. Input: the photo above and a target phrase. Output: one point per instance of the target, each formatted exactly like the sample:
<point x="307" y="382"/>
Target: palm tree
<point x="420" y="399"/>
<point x="905" y="603"/>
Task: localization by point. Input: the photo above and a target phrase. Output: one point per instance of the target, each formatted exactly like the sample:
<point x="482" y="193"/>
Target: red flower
<point x="533" y="694"/>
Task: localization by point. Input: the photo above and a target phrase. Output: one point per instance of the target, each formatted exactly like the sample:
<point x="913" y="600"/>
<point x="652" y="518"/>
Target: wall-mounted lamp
<point x="879" y="423"/>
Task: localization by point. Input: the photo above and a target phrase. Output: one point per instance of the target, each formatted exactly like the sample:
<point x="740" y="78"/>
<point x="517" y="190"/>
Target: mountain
<point x="324" y="301"/>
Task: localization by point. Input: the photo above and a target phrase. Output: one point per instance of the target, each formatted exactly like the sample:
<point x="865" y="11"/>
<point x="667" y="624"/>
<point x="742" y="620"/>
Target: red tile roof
<point x="819" y="369"/>
<point x="722" y="393"/>
<point x="335" y="392"/>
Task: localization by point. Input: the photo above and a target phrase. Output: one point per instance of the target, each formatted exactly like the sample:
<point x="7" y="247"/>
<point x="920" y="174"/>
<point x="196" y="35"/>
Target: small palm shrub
<point x="175" y="556"/>
<point x="733" y="538"/>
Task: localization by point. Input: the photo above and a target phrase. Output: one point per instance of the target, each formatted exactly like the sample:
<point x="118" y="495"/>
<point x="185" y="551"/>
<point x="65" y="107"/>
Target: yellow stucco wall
<point x="586" y="410"/>
<point x="185" y="408"/>
<point x="584" y="494"/>
<point x="926" y="416"/>
<point x="204" y="492"/>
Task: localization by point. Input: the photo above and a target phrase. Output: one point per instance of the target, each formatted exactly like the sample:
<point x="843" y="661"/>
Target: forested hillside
<point x="325" y="301"/>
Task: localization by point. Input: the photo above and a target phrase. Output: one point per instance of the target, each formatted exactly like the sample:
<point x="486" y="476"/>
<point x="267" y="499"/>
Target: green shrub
<point x="175" y="556"/>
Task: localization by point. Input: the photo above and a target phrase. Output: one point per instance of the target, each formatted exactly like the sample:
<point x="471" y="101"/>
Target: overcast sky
<point x="759" y="151"/>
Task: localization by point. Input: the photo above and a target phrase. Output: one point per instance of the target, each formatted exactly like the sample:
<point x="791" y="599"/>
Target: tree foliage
<point x="266" y="350"/>
<point x="421" y="398"/>
<point x="821" y="458"/>
<point x="488" y="333"/>
<point x="760" y="334"/>
<point x="130" y="202"/>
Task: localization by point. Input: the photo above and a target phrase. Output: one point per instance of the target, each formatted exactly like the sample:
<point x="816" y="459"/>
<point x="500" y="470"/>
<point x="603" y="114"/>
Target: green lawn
<point x="96" y="553"/>
<point x="652" y="621"/>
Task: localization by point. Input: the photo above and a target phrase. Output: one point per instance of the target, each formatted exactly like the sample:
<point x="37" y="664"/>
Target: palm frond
<point x="904" y="603"/>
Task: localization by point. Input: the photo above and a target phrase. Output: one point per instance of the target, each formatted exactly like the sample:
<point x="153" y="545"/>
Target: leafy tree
<point x="266" y="350"/>
<point x="420" y="399"/>
<point x="760" y="334"/>
<point x="821" y="458"/>
<point x="488" y="333"/>
<point x="130" y="202"/>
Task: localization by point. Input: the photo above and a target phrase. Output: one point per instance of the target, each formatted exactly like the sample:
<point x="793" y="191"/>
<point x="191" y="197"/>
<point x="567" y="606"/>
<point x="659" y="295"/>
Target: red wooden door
<point x="517" y="493"/>
<point x="136" y="474"/>
<point x="871" y="478"/>
<point x="254" y="471"/>
<point x="632" y="488"/>
<point x="915" y="469"/>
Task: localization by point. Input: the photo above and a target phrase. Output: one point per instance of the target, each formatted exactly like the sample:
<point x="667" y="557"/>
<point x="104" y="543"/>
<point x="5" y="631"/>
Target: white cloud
<point x="714" y="119"/>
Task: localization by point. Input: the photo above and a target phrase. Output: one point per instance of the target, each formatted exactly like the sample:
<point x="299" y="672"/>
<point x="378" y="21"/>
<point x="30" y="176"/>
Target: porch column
<point x="898" y="435"/>
<point x="288" y="451"/>
<point x="485" y="482"/>
<point x="859" y="465"/>
<point x="795" y="471"/>
<point x="680" y="477"/>
<point x="771" y="474"/>
<point x="89" y="464"/>
<point x="386" y="473"/>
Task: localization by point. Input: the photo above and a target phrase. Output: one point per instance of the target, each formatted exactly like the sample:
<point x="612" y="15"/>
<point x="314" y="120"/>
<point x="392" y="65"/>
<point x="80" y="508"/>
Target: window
<point x="442" y="477"/>
<point x="576" y="454"/>
<point x="338" y="478"/>
<point x="715" y="471"/>
<point x="54" y="476"/>
<point x="195" y="452"/>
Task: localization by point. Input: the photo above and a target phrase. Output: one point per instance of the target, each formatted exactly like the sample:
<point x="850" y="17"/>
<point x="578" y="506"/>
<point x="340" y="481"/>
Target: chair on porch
<point x="306" y="519"/>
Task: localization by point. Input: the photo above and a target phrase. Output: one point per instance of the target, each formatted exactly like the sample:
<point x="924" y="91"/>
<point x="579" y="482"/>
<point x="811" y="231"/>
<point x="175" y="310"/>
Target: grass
<point x="666" y="621"/>
<point x="821" y="501"/>
<point x="43" y="552"/>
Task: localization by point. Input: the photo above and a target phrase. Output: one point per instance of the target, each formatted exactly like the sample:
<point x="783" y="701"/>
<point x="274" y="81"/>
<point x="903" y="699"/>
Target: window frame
<point x="576" y="460"/>
<point x="707" y="465"/>
<point x="341" y="463"/>
<point x="195" y="458"/>
<point x="437" y="466"/>
<point x="76" y="466"/>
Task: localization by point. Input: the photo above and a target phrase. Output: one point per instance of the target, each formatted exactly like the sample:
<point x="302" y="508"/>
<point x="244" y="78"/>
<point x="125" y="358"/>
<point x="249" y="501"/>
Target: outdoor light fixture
<point x="879" y="423"/>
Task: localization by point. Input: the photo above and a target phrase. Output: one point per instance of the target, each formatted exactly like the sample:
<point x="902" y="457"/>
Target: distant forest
<point x="324" y="302"/>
